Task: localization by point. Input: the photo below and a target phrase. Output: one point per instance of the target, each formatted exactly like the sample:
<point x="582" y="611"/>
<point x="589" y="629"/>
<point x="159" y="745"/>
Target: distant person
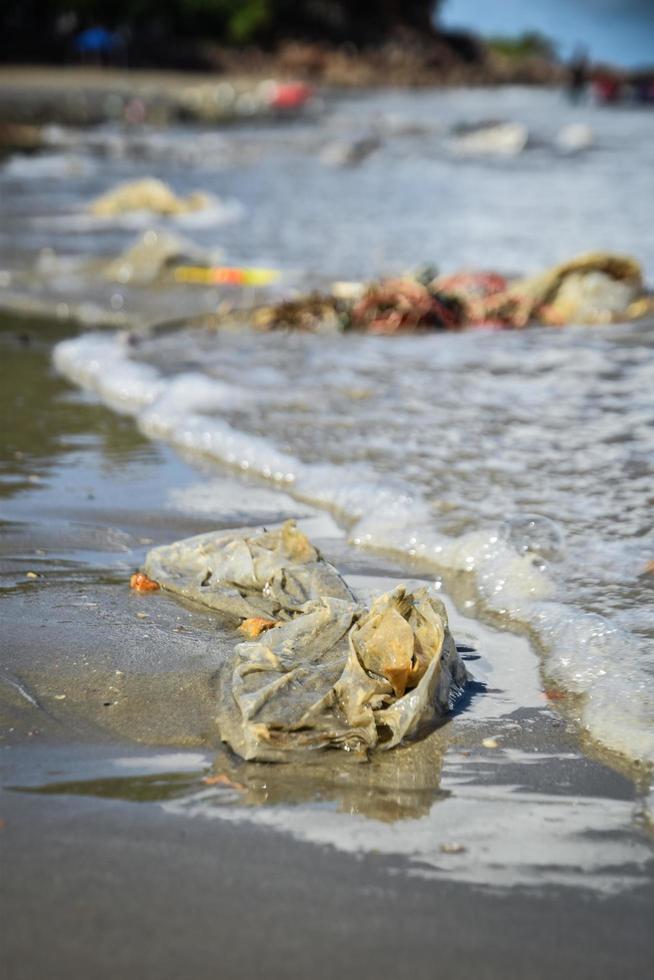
<point x="578" y="75"/>
<point x="607" y="88"/>
<point x="644" y="90"/>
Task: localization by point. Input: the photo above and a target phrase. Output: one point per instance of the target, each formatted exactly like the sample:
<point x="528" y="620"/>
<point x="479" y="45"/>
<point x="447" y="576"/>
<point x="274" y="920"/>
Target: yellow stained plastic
<point x="226" y="275"/>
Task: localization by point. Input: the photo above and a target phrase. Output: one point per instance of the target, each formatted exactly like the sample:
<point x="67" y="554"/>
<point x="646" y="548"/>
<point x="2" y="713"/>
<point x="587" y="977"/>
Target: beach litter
<point x="319" y="670"/>
<point x="216" y="103"/>
<point x="574" y="137"/>
<point x="226" y="275"/>
<point x="594" y="288"/>
<point x="141" y="583"/>
<point x="148" y="194"/>
<point x="271" y="575"/>
<point x="149" y="256"/>
<point x="348" y="153"/>
<point x="257" y="625"/>
<point x="502" y="139"/>
<point x="287" y="95"/>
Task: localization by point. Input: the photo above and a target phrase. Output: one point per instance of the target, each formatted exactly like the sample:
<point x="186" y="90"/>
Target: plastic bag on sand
<point x="327" y="673"/>
<point x="271" y="575"/>
<point x="337" y="678"/>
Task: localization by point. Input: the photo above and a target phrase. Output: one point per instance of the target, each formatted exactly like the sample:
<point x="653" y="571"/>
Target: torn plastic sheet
<point x="328" y="673"/>
<point x="270" y="575"/>
<point x="147" y="194"/>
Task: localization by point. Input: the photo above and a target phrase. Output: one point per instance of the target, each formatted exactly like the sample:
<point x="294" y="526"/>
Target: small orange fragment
<point x="649" y="568"/>
<point x="141" y="583"/>
<point x="222" y="780"/>
<point x="257" y="625"/>
<point x="555" y="694"/>
<point x="398" y="677"/>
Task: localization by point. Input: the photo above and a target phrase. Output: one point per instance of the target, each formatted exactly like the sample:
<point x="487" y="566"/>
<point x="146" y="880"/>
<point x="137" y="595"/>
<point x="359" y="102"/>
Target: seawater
<point x="522" y="460"/>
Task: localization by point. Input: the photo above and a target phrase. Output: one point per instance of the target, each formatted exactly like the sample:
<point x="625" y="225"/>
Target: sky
<point x="617" y="31"/>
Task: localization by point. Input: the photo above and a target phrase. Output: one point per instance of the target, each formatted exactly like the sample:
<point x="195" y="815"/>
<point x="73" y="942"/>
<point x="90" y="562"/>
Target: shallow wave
<point x="525" y="571"/>
<point x="216" y="212"/>
<point x="47" y="166"/>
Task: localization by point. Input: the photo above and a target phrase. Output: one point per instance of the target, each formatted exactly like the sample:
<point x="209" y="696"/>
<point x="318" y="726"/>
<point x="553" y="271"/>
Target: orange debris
<point x="257" y="625"/>
<point x="141" y="583"/>
<point x="221" y="780"/>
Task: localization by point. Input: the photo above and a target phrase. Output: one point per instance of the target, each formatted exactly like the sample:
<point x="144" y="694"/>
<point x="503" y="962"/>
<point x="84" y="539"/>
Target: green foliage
<point x="232" y="21"/>
<point x="247" y="20"/>
<point x="528" y="45"/>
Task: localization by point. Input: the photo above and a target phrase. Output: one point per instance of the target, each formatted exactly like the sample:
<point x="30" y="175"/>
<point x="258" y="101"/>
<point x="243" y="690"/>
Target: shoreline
<point x="74" y="95"/>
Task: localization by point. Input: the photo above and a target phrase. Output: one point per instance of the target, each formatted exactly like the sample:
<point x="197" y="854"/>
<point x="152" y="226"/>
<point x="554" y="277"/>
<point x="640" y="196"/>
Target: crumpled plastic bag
<point x="326" y="672"/>
<point x="340" y="677"/>
<point x="591" y="288"/>
<point x="597" y="287"/>
<point x="148" y="194"/>
<point x="149" y="256"/>
<point x="492" y="139"/>
<point x="269" y="575"/>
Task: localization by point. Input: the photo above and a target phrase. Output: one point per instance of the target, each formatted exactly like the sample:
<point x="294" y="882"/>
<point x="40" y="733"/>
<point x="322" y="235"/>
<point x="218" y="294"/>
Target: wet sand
<point x="90" y="95"/>
<point x="525" y="857"/>
<point x="126" y="890"/>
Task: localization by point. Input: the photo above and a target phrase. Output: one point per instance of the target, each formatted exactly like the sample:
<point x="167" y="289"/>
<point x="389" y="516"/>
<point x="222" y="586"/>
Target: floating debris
<point x="148" y="194"/>
<point x="574" y="137"/>
<point x="591" y="289"/>
<point x="151" y="254"/>
<point x="492" y="139"/>
<point x="218" y="275"/>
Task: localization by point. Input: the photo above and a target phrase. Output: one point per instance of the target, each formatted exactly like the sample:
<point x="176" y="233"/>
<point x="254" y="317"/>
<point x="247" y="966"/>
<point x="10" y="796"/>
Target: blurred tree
<point x="154" y="32"/>
<point x="531" y="44"/>
<point x="233" y="21"/>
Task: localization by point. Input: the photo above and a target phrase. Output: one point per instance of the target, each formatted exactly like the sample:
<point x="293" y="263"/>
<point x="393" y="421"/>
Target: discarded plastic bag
<point x="337" y="677"/>
<point x="149" y="256"/>
<point x="270" y="575"/>
<point x="323" y="672"/>
<point x="594" y="288"/>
